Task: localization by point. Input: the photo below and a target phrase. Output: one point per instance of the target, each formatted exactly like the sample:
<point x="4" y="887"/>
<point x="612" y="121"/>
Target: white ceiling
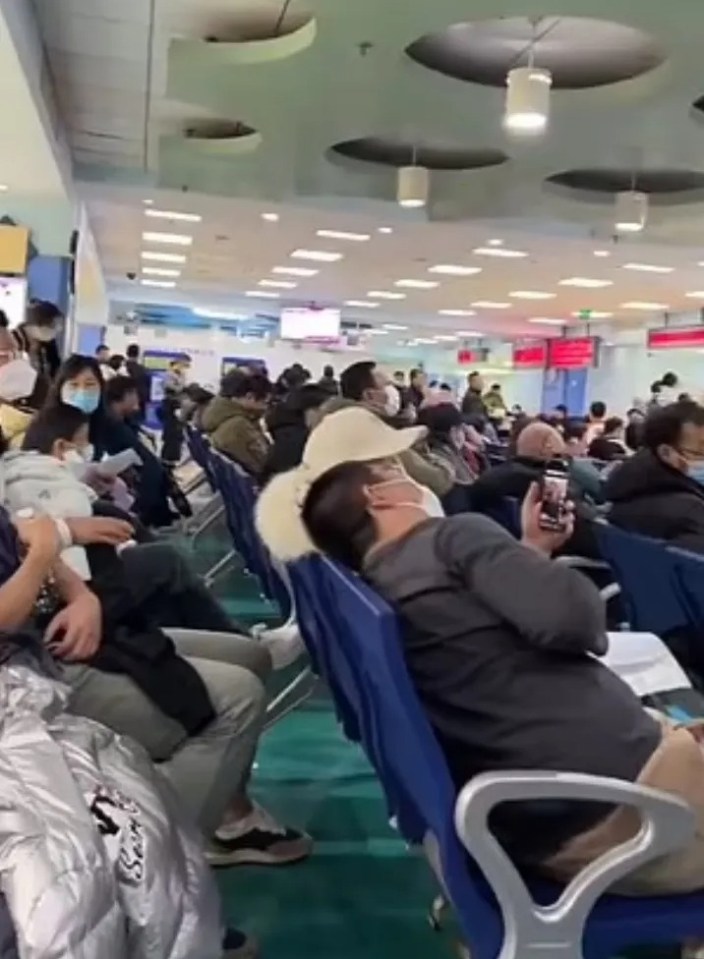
<point x="127" y="95"/>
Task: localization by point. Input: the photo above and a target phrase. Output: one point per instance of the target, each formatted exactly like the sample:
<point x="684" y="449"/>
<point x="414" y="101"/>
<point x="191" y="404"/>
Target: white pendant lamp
<point x="631" y="211"/>
<point x="413" y="186"/>
<point x="527" y="100"/>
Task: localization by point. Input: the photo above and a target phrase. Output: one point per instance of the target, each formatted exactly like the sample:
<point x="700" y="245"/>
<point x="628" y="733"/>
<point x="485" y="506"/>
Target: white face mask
<point x="428" y="502"/>
<point x="80" y="457"/>
<point x="44" y="334"/>
<point x="17" y="379"/>
<point x="392" y="406"/>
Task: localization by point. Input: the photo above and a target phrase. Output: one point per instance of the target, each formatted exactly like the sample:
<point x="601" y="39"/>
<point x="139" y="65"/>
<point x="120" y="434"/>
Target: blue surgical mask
<point x="87" y="401"/>
<point x="695" y="471"/>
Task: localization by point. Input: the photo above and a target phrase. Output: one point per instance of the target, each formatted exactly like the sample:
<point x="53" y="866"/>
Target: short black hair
<point x="335" y="513"/>
<point x="42" y="313"/>
<point x="256" y="384"/>
<point x="670" y="379"/>
<point x="598" y="409"/>
<point x="357" y="379"/>
<point x="231" y="381"/>
<point x="612" y="424"/>
<point x="416" y="371"/>
<point x="103" y="346"/>
<point x="656" y="387"/>
<point x="116" y="361"/>
<point x="60" y="422"/>
<point x="328" y="371"/>
<point x="311" y="396"/>
<point x="440" y="419"/>
<point x="118" y="388"/>
<point x="574" y="429"/>
<point x="496" y="386"/>
<point x="663" y="427"/>
<point x="133" y="351"/>
<point x="561" y="407"/>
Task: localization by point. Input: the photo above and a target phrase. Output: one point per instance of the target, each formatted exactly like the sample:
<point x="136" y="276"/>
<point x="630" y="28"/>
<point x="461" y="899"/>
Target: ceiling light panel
<point x="500" y="251"/>
<point x="295" y="271"/>
<point x="457" y="312"/>
<point x="279" y="284"/>
<point x="173" y="215"/>
<point x="547" y="321"/>
<point x="469" y="333"/>
<point x="532" y="295"/>
<point x="452" y="269"/>
<point x="172" y="239"/>
<point x="218" y="314"/>
<point x="490" y="305"/>
<point x="270" y="217"/>
<point x="585" y="282"/>
<point x="162" y="284"/>
<point x="417" y="284"/>
<point x="447" y="337"/>
<point x="159" y="271"/>
<point x="373" y="332"/>
<point x="395" y="326"/>
<point x="155" y="257"/>
<point x="262" y="294"/>
<point x="320" y="256"/>
<point x="341" y="235"/>
<point x="696" y="295"/>
<point x="386" y="295"/>
<point x="644" y="305"/>
<point x="593" y="315"/>
<point x="362" y="304"/>
<point x="648" y="268"/>
<point x="602" y="253"/>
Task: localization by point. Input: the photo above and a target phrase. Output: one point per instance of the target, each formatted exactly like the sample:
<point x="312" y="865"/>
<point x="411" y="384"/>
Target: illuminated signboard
<point x="576" y="353"/>
<point x="530" y="356"/>
<point x="676" y="339"/>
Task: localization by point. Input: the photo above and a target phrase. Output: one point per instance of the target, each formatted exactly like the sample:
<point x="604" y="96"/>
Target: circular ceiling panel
<point x="656" y="181"/>
<point x="387" y="151"/>
<point x="580" y="52"/>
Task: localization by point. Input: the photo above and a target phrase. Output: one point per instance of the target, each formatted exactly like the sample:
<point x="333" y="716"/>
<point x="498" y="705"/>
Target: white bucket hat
<point x="352" y="435"/>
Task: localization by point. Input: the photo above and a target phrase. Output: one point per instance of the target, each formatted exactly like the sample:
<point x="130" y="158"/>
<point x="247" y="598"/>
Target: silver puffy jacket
<point x="95" y="861"/>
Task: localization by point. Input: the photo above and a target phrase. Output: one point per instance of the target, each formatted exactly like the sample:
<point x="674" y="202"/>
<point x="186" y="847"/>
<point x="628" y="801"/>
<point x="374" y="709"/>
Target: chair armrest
<point x="667" y="825"/>
<point x="581" y="562"/>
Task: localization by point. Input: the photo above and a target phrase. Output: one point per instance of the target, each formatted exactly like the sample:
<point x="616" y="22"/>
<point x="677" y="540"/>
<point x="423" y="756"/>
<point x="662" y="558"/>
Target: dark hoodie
<point x="289" y="433"/>
<point x="653" y="499"/>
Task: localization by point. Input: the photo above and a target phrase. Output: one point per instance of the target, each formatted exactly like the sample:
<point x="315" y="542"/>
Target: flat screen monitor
<point x="13" y="299"/>
<point x="309" y="323"/>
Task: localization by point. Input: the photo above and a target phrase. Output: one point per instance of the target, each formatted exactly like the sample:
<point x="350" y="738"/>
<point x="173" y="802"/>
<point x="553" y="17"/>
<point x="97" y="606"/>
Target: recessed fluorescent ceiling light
<point x="395" y="326"/>
<point x="499" y="251"/>
<point x="421" y="340"/>
<point x="385" y="229"/>
<point x="363" y="304"/>
<point x="4" y="188"/>
<point x="457" y="312"/>
<point x="546" y="321"/>
<point x="417" y="284"/>
<point x="450" y="269"/>
<point x="593" y="315"/>
<point x="218" y="314"/>
<point x="159" y="271"/>
<point x="174" y="215"/>
<point x="648" y="268"/>
<point x="262" y="294"/>
<point x="341" y="235"/>
<point x="447" y="337"/>
<point x="386" y="295"/>
<point x="585" y="282"/>
<point x="147" y="202"/>
<point x="164" y="284"/>
<point x="490" y="305"/>
<point x="163" y="257"/>
<point x="322" y="256"/>
<point x="279" y="284"/>
<point x="644" y="305"/>
<point x="496" y="242"/>
<point x="696" y="295"/>
<point x="270" y="217"/>
<point x="295" y="271"/>
<point x="173" y="239"/>
<point x="469" y="333"/>
<point x="532" y="295"/>
<point x="602" y="253"/>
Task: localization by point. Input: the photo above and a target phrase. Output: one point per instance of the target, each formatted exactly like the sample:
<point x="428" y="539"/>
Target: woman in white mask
<point x="17" y="382"/>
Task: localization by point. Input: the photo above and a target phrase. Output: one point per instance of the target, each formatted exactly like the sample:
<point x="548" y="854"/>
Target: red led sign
<point x="675" y="339"/>
<point x="577" y="353"/>
<point x="530" y="357"/>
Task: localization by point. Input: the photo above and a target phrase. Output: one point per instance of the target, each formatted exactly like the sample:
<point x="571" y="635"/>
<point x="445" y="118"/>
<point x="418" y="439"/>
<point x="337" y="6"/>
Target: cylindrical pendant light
<point x="527" y="100"/>
<point x="631" y="211"/>
<point x="413" y="186"/>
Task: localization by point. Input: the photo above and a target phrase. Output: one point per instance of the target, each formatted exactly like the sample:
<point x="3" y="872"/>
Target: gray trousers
<point x="207" y="770"/>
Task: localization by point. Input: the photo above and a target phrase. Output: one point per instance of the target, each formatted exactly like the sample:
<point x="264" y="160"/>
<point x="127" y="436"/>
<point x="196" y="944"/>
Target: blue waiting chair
<point x="501" y="916"/>
<point x="645" y="570"/>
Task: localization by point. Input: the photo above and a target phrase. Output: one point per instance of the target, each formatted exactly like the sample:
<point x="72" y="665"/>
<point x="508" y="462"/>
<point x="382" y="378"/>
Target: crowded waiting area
<point x="352" y="480"/>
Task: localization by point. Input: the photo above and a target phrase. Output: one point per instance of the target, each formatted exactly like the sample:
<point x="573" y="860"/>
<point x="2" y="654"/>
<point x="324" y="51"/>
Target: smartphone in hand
<point x="553" y="498"/>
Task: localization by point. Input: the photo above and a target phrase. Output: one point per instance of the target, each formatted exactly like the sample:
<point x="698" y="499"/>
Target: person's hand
<point x="40" y="536"/>
<point x="75" y="632"/>
<point x="544" y="540"/>
<point x="100" y="482"/>
<point x="99" y="529"/>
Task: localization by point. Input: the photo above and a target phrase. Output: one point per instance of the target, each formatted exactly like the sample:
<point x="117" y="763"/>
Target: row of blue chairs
<point x="354" y="643"/>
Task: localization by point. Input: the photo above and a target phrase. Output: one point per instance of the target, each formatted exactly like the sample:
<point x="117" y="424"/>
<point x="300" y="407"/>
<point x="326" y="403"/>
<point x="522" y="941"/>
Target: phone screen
<point x="553" y="508"/>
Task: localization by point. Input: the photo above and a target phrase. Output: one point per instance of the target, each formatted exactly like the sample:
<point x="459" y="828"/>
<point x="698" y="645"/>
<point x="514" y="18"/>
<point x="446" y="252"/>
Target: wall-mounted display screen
<point x="530" y="356"/>
<point x="576" y="353"/>
<point x="310" y="323"/>
<point x="472" y="357"/>
<point x="672" y="338"/>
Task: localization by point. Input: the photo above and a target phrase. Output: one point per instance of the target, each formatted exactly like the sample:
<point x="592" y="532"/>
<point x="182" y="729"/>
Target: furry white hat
<point x="351" y="435"/>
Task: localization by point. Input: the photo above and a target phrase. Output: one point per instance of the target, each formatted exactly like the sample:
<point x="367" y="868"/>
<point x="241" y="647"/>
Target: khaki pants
<point x="676" y="767"/>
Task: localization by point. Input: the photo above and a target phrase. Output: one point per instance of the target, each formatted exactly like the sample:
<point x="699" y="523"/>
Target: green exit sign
<point x="585" y="314"/>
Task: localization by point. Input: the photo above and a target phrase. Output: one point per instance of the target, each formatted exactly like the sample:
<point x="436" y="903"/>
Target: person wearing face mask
<point x="289" y="424"/>
<point x="446" y="440"/>
<point x="18" y="380"/>
<point x="36" y="338"/>
<point x="659" y="491"/>
<point x="501" y="644"/>
<point x="79" y="383"/>
<point x="365" y="384"/>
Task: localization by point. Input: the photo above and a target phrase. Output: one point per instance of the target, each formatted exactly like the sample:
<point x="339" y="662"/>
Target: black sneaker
<point x="238" y="946"/>
<point x="258" y="840"/>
